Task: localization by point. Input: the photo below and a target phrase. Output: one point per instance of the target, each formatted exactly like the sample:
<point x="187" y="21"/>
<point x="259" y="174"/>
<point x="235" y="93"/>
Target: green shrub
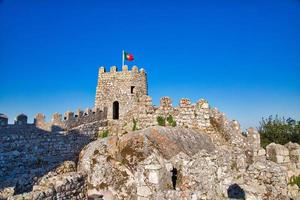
<point x="279" y="130"/>
<point x="171" y="121"/>
<point x="103" y="134"/>
<point x="295" y="180"/>
<point x="134" y="128"/>
<point x="161" y="121"/>
<point x="173" y="124"/>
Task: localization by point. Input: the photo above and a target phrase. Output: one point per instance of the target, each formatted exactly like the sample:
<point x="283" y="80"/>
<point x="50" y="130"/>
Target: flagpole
<point x="122" y="58"/>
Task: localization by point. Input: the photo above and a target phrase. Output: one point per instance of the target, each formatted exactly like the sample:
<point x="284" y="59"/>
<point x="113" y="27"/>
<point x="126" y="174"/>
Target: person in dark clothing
<point x="174" y="177"/>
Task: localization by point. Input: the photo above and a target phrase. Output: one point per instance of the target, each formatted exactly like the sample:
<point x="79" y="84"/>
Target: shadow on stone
<point x="27" y="153"/>
<point x="234" y="191"/>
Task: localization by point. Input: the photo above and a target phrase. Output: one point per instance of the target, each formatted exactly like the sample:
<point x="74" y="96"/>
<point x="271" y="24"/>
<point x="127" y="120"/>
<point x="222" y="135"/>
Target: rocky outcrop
<point x="119" y="163"/>
<point x="140" y="165"/>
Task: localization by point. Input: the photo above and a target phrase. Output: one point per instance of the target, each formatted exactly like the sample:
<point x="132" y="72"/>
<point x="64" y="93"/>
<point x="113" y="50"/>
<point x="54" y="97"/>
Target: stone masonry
<point x="120" y="91"/>
<point x="122" y="105"/>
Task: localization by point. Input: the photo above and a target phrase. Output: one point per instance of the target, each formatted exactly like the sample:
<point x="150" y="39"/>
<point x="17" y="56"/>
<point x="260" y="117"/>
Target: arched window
<point x="132" y="89"/>
<point x="116" y="110"/>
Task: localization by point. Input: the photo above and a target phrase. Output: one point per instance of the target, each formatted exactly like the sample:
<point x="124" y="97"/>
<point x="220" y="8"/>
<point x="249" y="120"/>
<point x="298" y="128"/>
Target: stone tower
<point x="119" y="91"/>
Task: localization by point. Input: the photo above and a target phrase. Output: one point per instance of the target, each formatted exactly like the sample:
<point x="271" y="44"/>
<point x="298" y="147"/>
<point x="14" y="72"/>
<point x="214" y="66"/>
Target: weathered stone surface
<point x="70" y="185"/>
<point x="140" y="163"/>
<point x="29" y="153"/>
<point x="278" y="153"/>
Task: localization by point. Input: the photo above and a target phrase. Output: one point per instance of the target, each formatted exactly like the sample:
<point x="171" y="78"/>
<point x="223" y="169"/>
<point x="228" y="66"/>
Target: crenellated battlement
<point x="70" y="119"/>
<point x="113" y="71"/>
<point x="58" y="121"/>
<point x="186" y="114"/>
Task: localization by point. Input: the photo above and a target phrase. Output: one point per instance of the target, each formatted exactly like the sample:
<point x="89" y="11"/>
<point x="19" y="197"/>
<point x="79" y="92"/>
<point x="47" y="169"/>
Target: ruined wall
<point x="186" y="115"/>
<point x="197" y="115"/>
<point x="287" y="155"/>
<point x="70" y="120"/>
<point x="66" y="186"/>
<point x="124" y="87"/>
<point x="27" y="152"/>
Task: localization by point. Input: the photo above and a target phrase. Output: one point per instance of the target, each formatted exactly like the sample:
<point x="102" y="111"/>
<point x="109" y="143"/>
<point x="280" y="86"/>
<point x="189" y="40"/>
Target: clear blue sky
<point x="243" y="56"/>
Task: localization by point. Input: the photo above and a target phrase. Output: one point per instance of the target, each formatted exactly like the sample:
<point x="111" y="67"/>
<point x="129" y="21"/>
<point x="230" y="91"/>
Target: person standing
<point x="174" y="177"/>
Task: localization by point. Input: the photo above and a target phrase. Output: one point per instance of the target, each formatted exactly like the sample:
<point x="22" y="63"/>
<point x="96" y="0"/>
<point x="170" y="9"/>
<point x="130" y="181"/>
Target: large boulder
<point x="122" y="166"/>
<point x="141" y="164"/>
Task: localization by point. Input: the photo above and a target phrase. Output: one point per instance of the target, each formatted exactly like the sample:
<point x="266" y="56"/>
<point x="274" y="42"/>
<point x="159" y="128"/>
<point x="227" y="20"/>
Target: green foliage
<point x="161" y="121"/>
<point x="134" y="127"/>
<point x="171" y="121"/>
<point x="173" y="124"/>
<point x="103" y="134"/>
<point x="279" y="130"/>
<point x="295" y="180"/>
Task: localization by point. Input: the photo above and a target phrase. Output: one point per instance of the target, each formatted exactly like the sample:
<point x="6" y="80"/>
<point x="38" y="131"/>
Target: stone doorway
<point x="116" y="110"/>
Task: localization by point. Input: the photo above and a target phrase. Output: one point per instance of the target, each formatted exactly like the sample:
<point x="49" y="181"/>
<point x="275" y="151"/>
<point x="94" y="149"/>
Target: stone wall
<point x="197" y="115"/>
<point x="3" y="120"/>
<point x="120" y="87"/>
<point x="70" y="120"/>
<point x="186" y="115"/>
<point x="27" y="152"/>
<point x="71" y="185"/>
<point x="287" y="155"/>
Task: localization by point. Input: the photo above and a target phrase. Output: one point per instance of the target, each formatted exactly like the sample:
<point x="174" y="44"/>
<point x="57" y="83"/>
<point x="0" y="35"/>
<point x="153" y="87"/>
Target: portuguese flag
<point x="128" y="56"/>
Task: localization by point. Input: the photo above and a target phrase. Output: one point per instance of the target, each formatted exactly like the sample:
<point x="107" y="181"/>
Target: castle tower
<point x="120" y="91"/>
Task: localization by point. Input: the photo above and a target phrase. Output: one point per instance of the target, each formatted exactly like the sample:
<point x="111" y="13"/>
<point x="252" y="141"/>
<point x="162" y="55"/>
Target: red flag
<point x="128" y="56"/>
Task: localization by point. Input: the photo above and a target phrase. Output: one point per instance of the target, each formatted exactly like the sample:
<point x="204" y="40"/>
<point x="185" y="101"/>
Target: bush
<point x="161" y="121"/>
<point x="103" y="134"/>
<point x="171" y="121"/>
<point x="173" y="124"/>
<point x="279" y="130"/>
<point x="295" y="180"/>
<point x="134" y="127"/>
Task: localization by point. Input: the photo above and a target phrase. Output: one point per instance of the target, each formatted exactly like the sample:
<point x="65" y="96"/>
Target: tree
<point x="279" y="130"/>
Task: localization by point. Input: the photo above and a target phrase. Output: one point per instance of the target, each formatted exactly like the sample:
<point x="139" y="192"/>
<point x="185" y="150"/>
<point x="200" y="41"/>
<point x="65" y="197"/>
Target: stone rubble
<point x="137" y="166"/>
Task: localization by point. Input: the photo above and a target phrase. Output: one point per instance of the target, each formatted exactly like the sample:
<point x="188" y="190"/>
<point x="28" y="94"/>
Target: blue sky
<point x="243" y="56"/>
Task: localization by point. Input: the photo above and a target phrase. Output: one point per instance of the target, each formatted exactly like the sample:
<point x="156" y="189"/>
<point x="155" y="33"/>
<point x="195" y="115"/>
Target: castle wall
<point x="65" y="186"/>
<point x="3" y="120"/>
<point x="70" y="119"/>
<point x="126" y="87"/>
<point x="186" y="114"/>
<point x="27" y="152"/>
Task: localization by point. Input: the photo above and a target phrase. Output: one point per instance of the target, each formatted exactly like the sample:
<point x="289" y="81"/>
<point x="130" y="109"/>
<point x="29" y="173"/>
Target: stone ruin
<point x="122" y="105"/>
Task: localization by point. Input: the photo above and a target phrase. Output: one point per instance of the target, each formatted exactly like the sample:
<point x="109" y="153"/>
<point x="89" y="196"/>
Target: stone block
<point x="101" y="70"/>
<point x="125" y="68"/>
<point x="261" y="152"/>
<point x="21" y="119"/>
<point x="135" y="69"/>
<point x="56" y="118"/>
<point x="184" y="102"/>
<point x="144" y="191"/>
<point x="154" y="177"/>
<point x="277" y="153"/>
<point x="153" y="167"/>
<point x="165" y="102"/>
<point x="3" y="120"/>
<point x="113" y="69"/>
